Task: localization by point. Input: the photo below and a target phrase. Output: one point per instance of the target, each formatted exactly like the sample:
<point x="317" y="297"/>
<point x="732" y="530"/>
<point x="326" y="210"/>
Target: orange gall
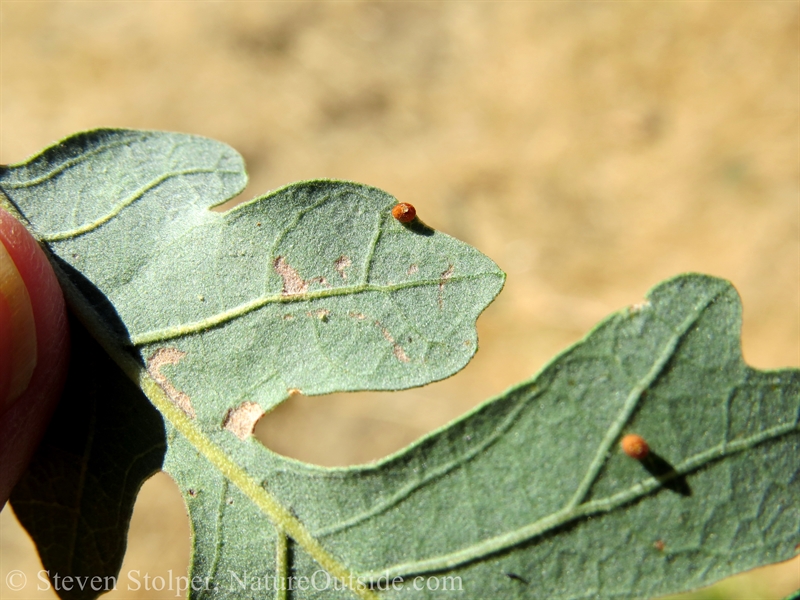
<point x="634" y="446"/>
<point x="404" y="212"/>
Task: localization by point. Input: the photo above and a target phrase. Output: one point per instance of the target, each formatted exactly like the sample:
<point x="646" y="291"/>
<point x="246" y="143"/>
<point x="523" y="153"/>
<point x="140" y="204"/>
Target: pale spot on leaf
<point x="341" y="264"/>
<point x="442" y="280"/>
<point x="169" y="356"/>
<point x="241" y="420"/>
<point x="292" y="282"/>
<point x="322" y="314"/>
<point x="400" y="354"/>
<point x="397" y="349"/>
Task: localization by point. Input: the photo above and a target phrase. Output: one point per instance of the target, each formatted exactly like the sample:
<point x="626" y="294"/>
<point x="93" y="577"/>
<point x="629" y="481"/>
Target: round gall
<point x="634" y="446"/>
<point x="404" y="212"/>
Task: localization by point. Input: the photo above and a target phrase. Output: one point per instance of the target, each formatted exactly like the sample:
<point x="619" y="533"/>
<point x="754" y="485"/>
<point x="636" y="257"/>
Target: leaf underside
<point x="218" y="316"/>
<point x="105" y="439"/>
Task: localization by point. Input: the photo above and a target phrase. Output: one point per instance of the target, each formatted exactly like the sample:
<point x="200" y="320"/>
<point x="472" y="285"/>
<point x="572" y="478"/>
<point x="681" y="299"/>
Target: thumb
<point x="34" y="346"/>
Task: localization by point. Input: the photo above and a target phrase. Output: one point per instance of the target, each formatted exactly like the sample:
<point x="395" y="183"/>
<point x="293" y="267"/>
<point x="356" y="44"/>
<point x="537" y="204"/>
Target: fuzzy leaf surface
<point x="526" y="496"/>
<point x="221" y="316"/>
<point x="314" y="287"/>
<point x="530" y="496"/>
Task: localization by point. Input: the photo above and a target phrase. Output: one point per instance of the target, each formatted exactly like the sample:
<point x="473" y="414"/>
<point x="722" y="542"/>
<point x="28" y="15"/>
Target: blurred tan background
<point x="591" y="148"/>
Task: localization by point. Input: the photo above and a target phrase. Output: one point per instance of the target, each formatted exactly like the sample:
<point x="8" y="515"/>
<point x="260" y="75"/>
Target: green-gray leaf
<point x="220" y="316"/>
<point x="527" y="496"/>
<point x="313" y="287"/>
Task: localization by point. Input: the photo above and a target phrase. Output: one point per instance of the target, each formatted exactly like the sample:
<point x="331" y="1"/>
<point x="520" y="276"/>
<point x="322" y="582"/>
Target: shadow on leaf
<point x="77" y="496"/>
<point x="666" y="474"/>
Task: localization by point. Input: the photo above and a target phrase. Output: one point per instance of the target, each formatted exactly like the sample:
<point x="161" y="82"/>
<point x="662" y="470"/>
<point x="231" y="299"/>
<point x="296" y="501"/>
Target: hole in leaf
<point x="339" y="429"/>
<point x="360" y="427"/>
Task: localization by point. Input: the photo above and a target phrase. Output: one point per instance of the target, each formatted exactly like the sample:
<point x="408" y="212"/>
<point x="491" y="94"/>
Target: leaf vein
<point x="371" y="250"/>
<point x="280" y="516"/>
<point x="121" y="205"/>
<point x="528" y="532"/>
<point x="160" y="335"/>
<point x="405" y="491"/>
<point x="65" y="165"/>
<point x="632" y="401"/>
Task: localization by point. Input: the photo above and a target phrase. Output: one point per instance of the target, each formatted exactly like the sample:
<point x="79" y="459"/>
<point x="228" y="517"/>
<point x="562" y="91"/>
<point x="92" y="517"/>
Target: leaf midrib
<point x="508" y="540"/>
<point x="601" y="454"/>
<point x="167" y="333"/>
<point x="280" y="516"/>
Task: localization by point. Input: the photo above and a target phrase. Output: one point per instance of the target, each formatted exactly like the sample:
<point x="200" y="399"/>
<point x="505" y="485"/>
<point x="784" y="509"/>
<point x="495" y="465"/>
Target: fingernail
<point x="17" y="333"/>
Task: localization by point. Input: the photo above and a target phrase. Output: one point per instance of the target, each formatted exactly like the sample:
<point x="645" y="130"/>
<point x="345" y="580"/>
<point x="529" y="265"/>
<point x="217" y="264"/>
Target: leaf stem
<point x="281" y="517"/>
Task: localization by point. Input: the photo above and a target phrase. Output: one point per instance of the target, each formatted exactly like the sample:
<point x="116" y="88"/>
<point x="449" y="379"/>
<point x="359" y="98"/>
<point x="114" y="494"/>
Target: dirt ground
<point x="591" y="148"/>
